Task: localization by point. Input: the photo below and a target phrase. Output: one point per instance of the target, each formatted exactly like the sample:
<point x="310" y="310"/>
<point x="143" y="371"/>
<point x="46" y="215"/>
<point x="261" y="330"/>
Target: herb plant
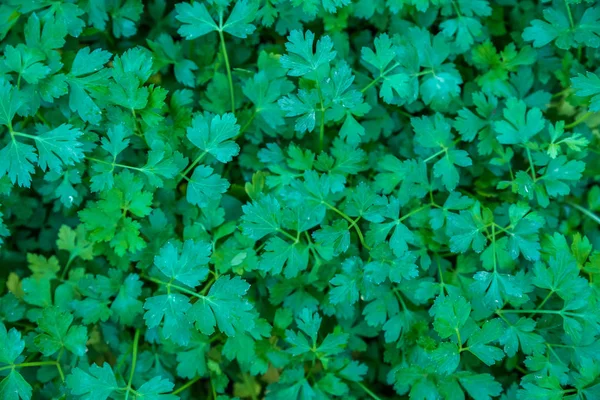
<point x="300" y="199"/>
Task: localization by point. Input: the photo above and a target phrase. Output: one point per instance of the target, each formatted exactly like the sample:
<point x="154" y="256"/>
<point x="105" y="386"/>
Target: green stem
<point x="414" y="212"/>
<point x="114" y="164"/>
<point x="249" y="386"/>
<point x="187" y="385"/>
<point x="459" y="339"/>
<point x="571" y="22"/>
<point x="562" y="92"/>
<point x="212" y="388"/>
<point x="191" y="166"/>
<point x="136" y="340"/>
<point x="373" y="82"/>
<point x="368" y="391"/>
<point x="246" y="125"/>
<point x="579" y="120"/>
<point x="224" y="50"/>
<point x="169" y="285"/>
<point x="64" y="273"/>
<point x="28" y="364"/>
<point x="382" y="74"/>
<point x="434" y="155"/>
<point x="559" y="312"/>
<point x="545" y="300"/>
<point x="347" y="218"/>
<point x="207" y="286"/>
<point x="585" y="211"/>
<point x="322" y="123"/>
<point x="533" y="176"/>
<point x="288" y="235"/>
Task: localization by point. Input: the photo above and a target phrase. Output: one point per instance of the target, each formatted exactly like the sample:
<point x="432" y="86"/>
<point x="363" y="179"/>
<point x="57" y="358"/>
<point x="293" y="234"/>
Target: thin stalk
<point x="191" y="166"/>
<point x="28" y="364"/>
<point x="373" y="82"/>
<point x="559" y="312"/>
<point x="368" y="391"/>
<point x="579" y="120"/>
<point x="288" y="235"/>
<point x="187" y="385"/>
<point x="226" y="57"/>
<point x="169" y="285"/>
<point x="250" y="386"/>
<point x="64" y="272"/>
<point x="347" y="218"/>
<point x="533" y="176"/>
<point x="571" y="22"/>
<point x="136" y="340"/>
<point x="114" y="164"/>
<point x="246" y="125"/>
<point x="585" y="211"/>
<point x="434" y="155"/>
<point x="418" y="210"/>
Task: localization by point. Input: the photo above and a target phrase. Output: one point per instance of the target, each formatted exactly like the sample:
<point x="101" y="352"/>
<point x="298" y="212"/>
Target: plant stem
<point x="187" y="385"/>
<point x="579" y="120"/>
<point x="246" y="125"/>
<point x="136" y="339"/>
<point x="559" y="312"/>
<point x="66" y="269"/>
<point x="585" y="211"/>
<point x="434" y="155"/>
<point x="191" y="166"/>
<point x="571" y="22"/>
<point x="368" y="391"/>
<point x="224" y="50"/>
<point x="114" y="164"/>
<point x="28" y="364"/>
<point x="533" y="176"/>
<point x="373" y="82"/>
<point x="347" y="218"/>
<point x="249" y="386"/>
<point x="288" y="235"/>
<point x="169" y="285"/>
<point x="414" y="212"/>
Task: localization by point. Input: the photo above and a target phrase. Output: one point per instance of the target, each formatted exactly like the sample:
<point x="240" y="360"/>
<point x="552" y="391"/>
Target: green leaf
<point x="211" y="133"/>
<point x="279" y="253"/>
<point x="187" y="265"/>
<point x="261" y="217"/>
<point x="204" y="186"/>
<point x="16" y="161"/>
<point x="519" y="125"/>
<point x="450" y="314"/>
<point x="588" y="85"/>
<point x="15" y="387"/>
<point x="561" y="276"/>
<point x="478" y="343"/>
<point x="301" y="59"/>
<point x="57" y="331"/>
<point x="481" y="386"/>
<point x="197" y="21"/>
<point x="446" y="357"/>
<point x="98" y="383"/>
<point x="522" y="335"/>
<point x="75" y="242"/>
<point x="126" y="306"/>
<point x="156" y="388"/>
<point x="171" y="308"/>
<point x="225" y="306"/>
<point x="59" y="147"/>
<point x="11" y="345"/>
<point x="87" y="83"/>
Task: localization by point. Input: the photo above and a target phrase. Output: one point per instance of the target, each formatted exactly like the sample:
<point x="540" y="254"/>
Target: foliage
<point x="299" y="199"/>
